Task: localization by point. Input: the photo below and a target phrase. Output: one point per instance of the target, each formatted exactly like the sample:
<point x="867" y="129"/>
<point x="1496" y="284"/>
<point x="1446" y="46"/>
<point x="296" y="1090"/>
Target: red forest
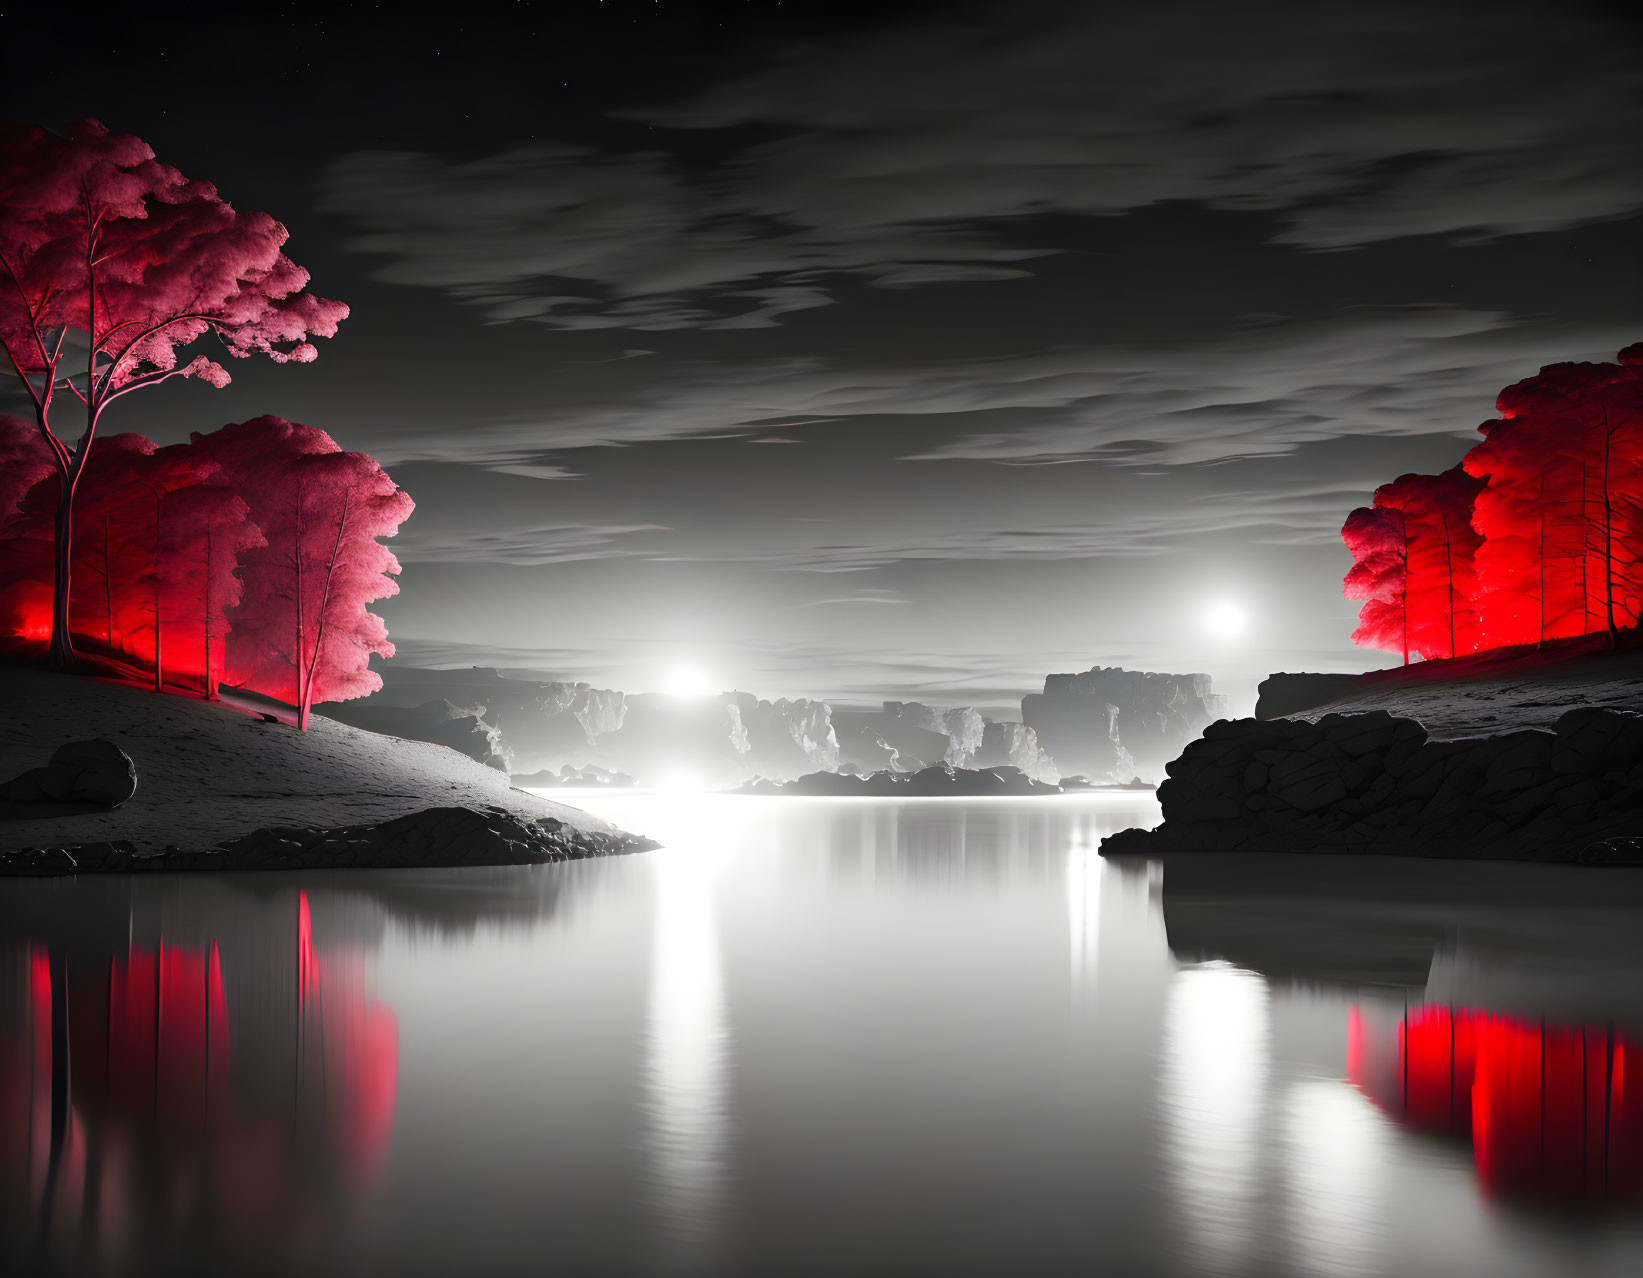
<point x="110" y="262"/>
<point x="245" y="557"/>
<point x="1536" y="535"/>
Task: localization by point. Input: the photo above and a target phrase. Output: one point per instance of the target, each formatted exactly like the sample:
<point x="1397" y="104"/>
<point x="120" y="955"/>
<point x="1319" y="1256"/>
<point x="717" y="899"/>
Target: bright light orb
<point x="1225" y="620"/>
<point x="687" y="682"/>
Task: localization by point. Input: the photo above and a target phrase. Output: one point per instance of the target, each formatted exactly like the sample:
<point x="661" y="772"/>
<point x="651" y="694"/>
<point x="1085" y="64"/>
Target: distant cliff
<point x="908" y="736"/>
<point x="1110" y="724"/>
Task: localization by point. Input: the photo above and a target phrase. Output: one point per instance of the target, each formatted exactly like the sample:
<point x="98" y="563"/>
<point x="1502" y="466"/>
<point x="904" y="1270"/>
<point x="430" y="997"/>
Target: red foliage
<point x="1562" y="512"/>
<point x="206" y="531"/>
<point x="99" y="238"/>
<point x="1439" y="580"/>
<point x="1540" y="538"/>
<point x="1379" y="576"/>
<point x="1412" y="563"/>
<point x="251" y="551"/>
<point x="302" y="631"/>
<point x="24" y="461"/>
<point x="25" y="551"/>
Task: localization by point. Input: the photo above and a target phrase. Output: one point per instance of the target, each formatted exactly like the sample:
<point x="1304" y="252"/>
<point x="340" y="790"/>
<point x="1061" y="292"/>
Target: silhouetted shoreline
<point x="1390" y="766"/>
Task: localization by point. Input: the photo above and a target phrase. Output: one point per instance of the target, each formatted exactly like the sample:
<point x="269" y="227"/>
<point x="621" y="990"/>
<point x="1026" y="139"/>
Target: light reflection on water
<point x="833" y="1036"/>
<point x="1215" y="1068"/>
<point x="688" y="1057"/>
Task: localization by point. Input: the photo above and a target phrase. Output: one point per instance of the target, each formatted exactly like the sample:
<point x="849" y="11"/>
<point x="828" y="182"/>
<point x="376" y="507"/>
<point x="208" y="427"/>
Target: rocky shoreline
<point x="433" y="838"/>
<point x="110" y="778"/>
<point x="1375" y="783"/>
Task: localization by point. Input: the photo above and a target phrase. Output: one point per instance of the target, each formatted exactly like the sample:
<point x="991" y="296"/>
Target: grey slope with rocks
<point x="217" y="789"/>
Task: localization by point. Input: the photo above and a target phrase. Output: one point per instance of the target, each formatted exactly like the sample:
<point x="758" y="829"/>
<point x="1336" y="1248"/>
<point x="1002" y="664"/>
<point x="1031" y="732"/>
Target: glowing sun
<point x="687" y="682"/>
<point x="1225" y="619"/>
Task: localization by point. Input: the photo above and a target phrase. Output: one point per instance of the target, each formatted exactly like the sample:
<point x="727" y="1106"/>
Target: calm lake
<point x="828" y="1037"/>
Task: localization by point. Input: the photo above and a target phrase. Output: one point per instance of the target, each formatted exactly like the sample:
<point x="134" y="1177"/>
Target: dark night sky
<point x="906" y="350"/>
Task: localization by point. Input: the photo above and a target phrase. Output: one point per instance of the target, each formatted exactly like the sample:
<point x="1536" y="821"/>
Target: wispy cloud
<point x="1264" y="391"/>
<point x="1351" y="124"/>
<point x="870" y="597"/>
<point x="544" y="544"/>
<point x="1303" y="517"/>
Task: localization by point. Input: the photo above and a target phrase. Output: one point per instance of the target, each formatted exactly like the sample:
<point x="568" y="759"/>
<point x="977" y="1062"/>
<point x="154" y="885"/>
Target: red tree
<point x="1531" y="567"/>
<point x="1562" y="510"/>
<point x="302" y="631"/>
<point x="206" y="531"/>
<point x="1379" y="576"/>
<point x="114" y="536"/>
<point x="1439" y="582"/>
<point x="98" y="238"/>
<point x="101" y="521"/>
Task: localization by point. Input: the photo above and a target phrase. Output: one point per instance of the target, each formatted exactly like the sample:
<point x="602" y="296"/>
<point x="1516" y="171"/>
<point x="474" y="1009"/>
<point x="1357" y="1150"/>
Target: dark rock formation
<point x="1374" y="783"/>
<point x="79" y="772"/>
<point x="456" y="836"/>
<point x="1109" y="723"/>
<point x="1281" y="694"/>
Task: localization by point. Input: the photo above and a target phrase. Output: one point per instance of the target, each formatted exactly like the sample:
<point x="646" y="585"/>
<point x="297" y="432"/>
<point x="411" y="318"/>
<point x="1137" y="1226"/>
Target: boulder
<point x="1521" y="760"/>
<point x="79" y="772"/>
<point x="1591" y="741"/>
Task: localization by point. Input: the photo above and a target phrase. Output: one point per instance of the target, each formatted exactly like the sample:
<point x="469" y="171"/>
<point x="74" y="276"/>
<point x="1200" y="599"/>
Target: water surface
<point x="827" y="1036"/>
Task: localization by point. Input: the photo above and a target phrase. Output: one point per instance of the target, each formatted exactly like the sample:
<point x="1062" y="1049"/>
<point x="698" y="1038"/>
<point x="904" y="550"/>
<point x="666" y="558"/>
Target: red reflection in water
<point x="238" y="1111"/>
<point x="1546" y="1107"/>
<point x="350" y="1045"/>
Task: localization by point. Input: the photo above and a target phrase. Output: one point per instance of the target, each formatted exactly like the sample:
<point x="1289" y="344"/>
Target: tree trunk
<point x="1585" y="542"/>
<point x="302" y="717"/>
<point x="159" y="674"/>
<point x="1542" y="506"/>
<point x="319" y="625"/>
<point x="62" y="643"/>
<point x="1608" y="536"/>
<point x="1449" y="569"/>
<point x="108" y="592"/>
<point x="1405" y="608"/>
<point x="210" y="691"/>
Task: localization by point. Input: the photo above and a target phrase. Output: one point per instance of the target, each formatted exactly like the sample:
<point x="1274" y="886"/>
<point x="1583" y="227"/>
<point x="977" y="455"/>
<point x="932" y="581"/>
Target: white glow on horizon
<point x="1225" y="619"/>
<point x="688" y="683"/>
<point x="681" y="781"/>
